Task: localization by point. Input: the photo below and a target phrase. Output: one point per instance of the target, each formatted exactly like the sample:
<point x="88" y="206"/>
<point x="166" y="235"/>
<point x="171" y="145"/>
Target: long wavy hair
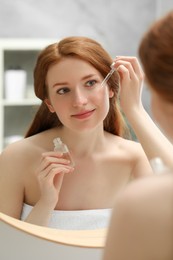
<point x="156" y="55"/>
<point x="90" y="51"/>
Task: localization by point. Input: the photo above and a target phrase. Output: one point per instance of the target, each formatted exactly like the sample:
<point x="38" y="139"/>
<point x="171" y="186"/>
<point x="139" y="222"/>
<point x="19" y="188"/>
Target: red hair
<point x="156" y="54"/>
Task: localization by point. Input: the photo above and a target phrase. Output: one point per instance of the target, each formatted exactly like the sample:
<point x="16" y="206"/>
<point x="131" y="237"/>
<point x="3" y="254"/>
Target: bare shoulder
<point x="19" y="151"/>
<point x="134" y="154"/>
<point x="20" y="156"/>
<point x="148" y="196"/>
<point x="142" y="220"/>
<point x="132" y="148"/>
<point x="15" y="160"/>
<point x="28" y="148"/>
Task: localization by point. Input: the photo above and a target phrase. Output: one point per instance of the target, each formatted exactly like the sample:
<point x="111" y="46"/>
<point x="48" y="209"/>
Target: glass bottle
<point x="158" y="166"/>
<point x="61" y="147"/>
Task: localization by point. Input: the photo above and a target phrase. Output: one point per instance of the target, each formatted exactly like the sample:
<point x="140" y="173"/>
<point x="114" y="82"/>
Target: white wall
<point x="117" y="24"/>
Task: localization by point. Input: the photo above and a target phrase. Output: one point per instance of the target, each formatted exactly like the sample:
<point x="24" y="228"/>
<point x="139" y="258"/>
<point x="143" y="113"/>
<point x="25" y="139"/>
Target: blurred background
<point x="25" y="25"/>
<point x="117" y="24"/>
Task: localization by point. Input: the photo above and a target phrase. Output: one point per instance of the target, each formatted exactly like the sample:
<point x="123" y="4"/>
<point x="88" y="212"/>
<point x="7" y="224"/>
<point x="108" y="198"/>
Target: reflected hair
<point x="156" y="55"/>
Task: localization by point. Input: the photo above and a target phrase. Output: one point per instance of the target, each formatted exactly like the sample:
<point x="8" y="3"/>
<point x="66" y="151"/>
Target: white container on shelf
<point x="17" y="52"/>
<point x="15" y="84"/>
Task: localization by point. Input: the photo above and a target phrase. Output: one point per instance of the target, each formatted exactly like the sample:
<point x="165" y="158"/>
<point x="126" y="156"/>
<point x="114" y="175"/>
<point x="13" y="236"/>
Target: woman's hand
<point x="50" y="175"/>
<point x="154" y="143"/>
<point x="131" y="81"/>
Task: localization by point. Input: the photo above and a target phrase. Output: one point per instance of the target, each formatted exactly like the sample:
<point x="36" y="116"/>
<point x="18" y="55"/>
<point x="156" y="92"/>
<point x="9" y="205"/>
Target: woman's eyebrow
<point x="67" y="83"/>
<point x="88" y="76"/>
<point x="60" y="84"/>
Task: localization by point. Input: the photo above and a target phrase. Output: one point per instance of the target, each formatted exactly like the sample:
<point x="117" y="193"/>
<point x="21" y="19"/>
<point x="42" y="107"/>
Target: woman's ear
<point x="49" y="105"/>
<point x="111" y="93"/>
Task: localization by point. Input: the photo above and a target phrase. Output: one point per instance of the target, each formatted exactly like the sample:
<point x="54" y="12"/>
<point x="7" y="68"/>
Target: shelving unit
<point x="16" y="115"/>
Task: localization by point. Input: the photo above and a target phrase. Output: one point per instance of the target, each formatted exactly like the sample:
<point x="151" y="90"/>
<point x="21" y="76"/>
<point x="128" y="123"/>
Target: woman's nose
<point x="79" y="98"/>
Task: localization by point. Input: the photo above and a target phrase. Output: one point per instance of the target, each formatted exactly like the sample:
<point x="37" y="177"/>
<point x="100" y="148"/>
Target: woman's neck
<point x="85" y="143"/>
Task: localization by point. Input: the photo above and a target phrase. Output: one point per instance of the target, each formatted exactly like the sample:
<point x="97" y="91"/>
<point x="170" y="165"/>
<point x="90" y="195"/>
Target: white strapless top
<point x="75" y="219"/>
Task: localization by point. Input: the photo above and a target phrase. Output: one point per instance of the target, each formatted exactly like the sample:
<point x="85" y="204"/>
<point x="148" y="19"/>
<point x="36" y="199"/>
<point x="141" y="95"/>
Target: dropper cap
<point x="60" y="146"/>
<point x="57" y="142"/>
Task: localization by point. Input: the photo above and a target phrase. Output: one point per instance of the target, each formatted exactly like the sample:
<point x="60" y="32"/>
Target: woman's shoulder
<point x="16" y="155"/>
<point x="132" y="153"/>
<point x="27" y="148"/>
<point x="37" y="143"/>
<point x="19" y="147"/>
<point x="151" y="197"/>
<point x="124" y="144"/>
<point x="147" y="189"/>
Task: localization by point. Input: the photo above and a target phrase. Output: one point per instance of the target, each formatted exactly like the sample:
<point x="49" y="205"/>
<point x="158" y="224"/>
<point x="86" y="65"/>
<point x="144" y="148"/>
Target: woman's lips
<point x="84" y="114"/>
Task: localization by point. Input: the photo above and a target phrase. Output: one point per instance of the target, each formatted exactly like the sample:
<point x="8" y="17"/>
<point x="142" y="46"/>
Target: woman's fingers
<point x="127" y="71"/>
<point x="50" y="174"/>
<point x="52" y="158"/>
<point x="131" y="82"/>
<point x="130" y="71"/>
<point x="54" y="174"/>
<point x="55" y="169"/>
<point x="52" y="164"/>
<point x="51" y="180"/>
<point x="52" y="154"/>
<point x="134" y="63"/>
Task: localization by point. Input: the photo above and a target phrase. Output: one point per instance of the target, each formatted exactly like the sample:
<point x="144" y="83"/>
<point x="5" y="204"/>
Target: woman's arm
<point x="50" y="174"/>
<point x="14" y="175"/>
<point x="154" y="143"/>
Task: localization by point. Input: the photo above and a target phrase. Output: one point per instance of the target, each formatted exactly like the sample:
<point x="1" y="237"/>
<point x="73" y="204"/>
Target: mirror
<point x="21" y="240"/>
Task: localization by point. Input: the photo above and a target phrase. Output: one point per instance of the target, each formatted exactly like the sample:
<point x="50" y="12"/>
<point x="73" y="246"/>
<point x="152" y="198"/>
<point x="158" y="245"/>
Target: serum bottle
<point x="61" y="147"/>
<point x="158" y="166"/>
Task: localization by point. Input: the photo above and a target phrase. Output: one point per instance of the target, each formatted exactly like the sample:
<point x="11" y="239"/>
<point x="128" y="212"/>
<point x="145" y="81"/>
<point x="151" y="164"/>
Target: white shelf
<point x="24" y="102"/>
<point x="16" y="115"/>
<point x="22" y="44"/>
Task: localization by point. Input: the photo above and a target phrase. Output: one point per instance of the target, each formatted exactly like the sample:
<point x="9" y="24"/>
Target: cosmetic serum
<point x="59" y="146"/>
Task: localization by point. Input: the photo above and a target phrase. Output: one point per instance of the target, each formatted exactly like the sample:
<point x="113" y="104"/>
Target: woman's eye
<point x="62" y="91"/>
<point x="91" y="83"/>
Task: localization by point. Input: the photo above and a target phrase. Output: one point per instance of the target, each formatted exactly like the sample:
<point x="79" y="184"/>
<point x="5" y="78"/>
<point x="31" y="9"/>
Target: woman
<point x="37" y="183"/>
<point x="141" y="226"/>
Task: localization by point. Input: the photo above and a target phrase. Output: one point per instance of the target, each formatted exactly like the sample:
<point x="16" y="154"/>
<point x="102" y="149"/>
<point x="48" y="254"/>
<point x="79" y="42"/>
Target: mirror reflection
<point x="53" y="89"/>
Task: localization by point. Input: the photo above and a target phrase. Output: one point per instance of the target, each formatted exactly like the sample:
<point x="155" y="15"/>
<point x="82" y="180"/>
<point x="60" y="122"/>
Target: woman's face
<point x="76" y="94"/>
<point x="162" y="112"/>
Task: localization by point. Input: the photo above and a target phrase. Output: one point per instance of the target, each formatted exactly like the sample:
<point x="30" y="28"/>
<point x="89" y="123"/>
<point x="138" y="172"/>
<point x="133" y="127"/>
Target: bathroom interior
<point x="28" y="26"/>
